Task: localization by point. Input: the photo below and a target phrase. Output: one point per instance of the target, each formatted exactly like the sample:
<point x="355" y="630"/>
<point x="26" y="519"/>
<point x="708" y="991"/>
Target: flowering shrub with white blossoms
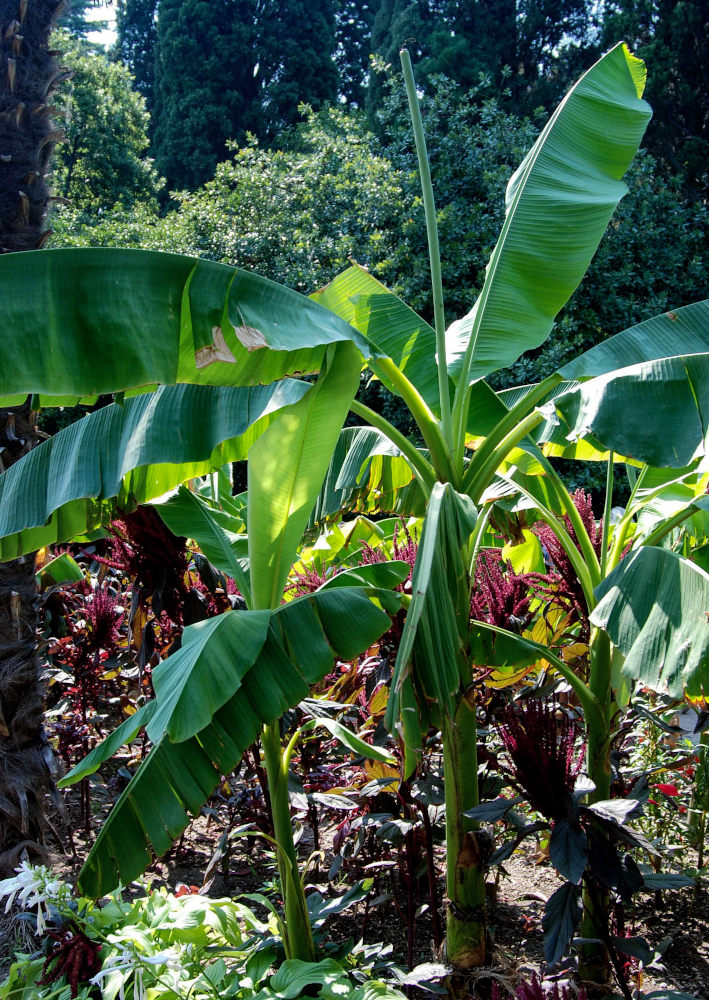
<point x="163" y="945"/>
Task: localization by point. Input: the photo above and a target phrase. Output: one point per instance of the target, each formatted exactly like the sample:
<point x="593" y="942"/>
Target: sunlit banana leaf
<point x="105" y="320"/>
<point x="123" y="455"/>
<point x="387" y="322"/>
<point x="684" y="331"/>
<point x="303" y="639"/>
<point x="218" y="533"/>
<point x="286" y="470"/>
<point x="559" y="202"/>
<point x="655" y="412"/>
<point x="654" y="606"/>
<point x="429" y="659"/>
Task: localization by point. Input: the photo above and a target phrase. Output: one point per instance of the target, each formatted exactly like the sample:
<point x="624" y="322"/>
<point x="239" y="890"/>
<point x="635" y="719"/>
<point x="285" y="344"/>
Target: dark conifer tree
<point x="136" y="33"/>
<point x="353" y="40"/>
<point x="206" y="85"/>
<point x="296" y="59"/>
<point x="672" y="36"/>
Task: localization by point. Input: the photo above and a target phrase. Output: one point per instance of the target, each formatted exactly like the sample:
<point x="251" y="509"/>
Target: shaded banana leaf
<point x="654" y="607"/>
<point x="387" y="322"/>
<point x="303" y="639"/>
<point x="287" y="467"/>
<point x="122" y="455"/>
<point x="559" y="202"/>
<point x="430" y="661"/>
<point x="655" y="412"/>
<point x="218" y="533"/>
<point x="104" y="320"/>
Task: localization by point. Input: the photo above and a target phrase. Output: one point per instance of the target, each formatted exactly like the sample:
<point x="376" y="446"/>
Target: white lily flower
<point x="33" y="885"/>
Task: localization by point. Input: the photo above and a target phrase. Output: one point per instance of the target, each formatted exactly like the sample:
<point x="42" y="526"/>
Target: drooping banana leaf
<point x="286" y="469"/>
<point x="302" y="640"/>
<point x="128" y="454"/>
<point x="105" y="320"/>
<point x="559" y="202"/>
<point x="428" y="665"/>
<point x="654" y="606"/>
<point x="655" y="412"/>
<point x="218" y="534"/>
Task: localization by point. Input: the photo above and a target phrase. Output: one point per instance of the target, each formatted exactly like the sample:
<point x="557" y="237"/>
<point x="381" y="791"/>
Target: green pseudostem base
<point x="298" y="935"/>
<point x="594" y="962"/>
<point x="466" y="852"/>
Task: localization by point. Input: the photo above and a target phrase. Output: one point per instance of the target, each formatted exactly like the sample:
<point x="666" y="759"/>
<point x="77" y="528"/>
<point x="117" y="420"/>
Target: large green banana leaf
<point x="214" y="702"/>
<point x="387" y="322"/>
<point x="286" y="470"/>
<point x="429" y="659"/>
<point x="654" y="606"/>
<point x="559" y="203"/>
<point x="107" y="320"/>
<point x="684" y="331"/>
<point x="130" y="454"/>
<point x="655" y="412"/>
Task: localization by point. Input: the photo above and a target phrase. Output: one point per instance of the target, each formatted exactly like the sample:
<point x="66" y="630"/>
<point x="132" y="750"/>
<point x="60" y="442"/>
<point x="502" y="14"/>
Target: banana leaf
<point x="387" y="322"/>
<point x="655" y="412"/>
<point x="303" y="639"/>
<point x="682" y="331"/>
<point x="559" y="202"/>
<point x="106" y="320"/>
<point x="428" y="665"/>
<point x="123" y="455"/>
<point x="218" y="533"/>
<point x="287" y="466"/>
<point x="654" y="607"/>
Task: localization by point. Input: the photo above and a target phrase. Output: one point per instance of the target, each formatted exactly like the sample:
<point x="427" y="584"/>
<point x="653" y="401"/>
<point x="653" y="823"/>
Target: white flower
<point x="33" y="885"/>
<point x="126" y="961"/>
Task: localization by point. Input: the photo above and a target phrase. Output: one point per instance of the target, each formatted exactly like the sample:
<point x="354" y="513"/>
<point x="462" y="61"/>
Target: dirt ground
<point x="680" y="918"/>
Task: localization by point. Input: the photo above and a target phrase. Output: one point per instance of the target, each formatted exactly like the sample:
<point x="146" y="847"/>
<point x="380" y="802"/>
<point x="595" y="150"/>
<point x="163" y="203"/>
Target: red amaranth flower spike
<point x="500" y="596"/>
<point x="541" y="747"/>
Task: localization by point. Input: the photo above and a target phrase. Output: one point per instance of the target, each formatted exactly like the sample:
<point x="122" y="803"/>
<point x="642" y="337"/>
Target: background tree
<point x="673" y="37"/>
<point x="103" y="161"/>
<point x="136" y="34"/>
<point x="353" y="41"/>
<point x="28" y="76"/>
<point x="74" y="18"/>
<point x="296" y="64"/>
<point x="206" y="89"/>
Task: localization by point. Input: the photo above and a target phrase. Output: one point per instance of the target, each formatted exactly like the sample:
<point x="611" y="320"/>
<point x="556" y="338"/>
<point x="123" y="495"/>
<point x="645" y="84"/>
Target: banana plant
<point x="122" y="322"/>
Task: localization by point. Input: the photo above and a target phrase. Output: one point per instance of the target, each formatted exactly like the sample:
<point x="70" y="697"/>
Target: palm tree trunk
<point x="28" y="76"/>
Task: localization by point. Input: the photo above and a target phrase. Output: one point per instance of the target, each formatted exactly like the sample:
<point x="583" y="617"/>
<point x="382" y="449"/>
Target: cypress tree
<point x="136" y="33"/>
<point x="353" y="41"/>
<point x="673" y="37"/>
<point x="296" y="59"/>
<point x="206" y="89"/>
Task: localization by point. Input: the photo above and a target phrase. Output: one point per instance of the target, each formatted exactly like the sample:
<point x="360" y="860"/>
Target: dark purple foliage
<point x="540" y="745"/>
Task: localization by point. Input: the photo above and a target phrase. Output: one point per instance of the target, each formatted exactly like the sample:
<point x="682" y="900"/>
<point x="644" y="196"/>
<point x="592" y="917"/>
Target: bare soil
<point x="679" y="918"/>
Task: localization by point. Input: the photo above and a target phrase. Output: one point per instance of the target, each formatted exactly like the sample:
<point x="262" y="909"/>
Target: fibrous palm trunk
<point x="28" y="75"/>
